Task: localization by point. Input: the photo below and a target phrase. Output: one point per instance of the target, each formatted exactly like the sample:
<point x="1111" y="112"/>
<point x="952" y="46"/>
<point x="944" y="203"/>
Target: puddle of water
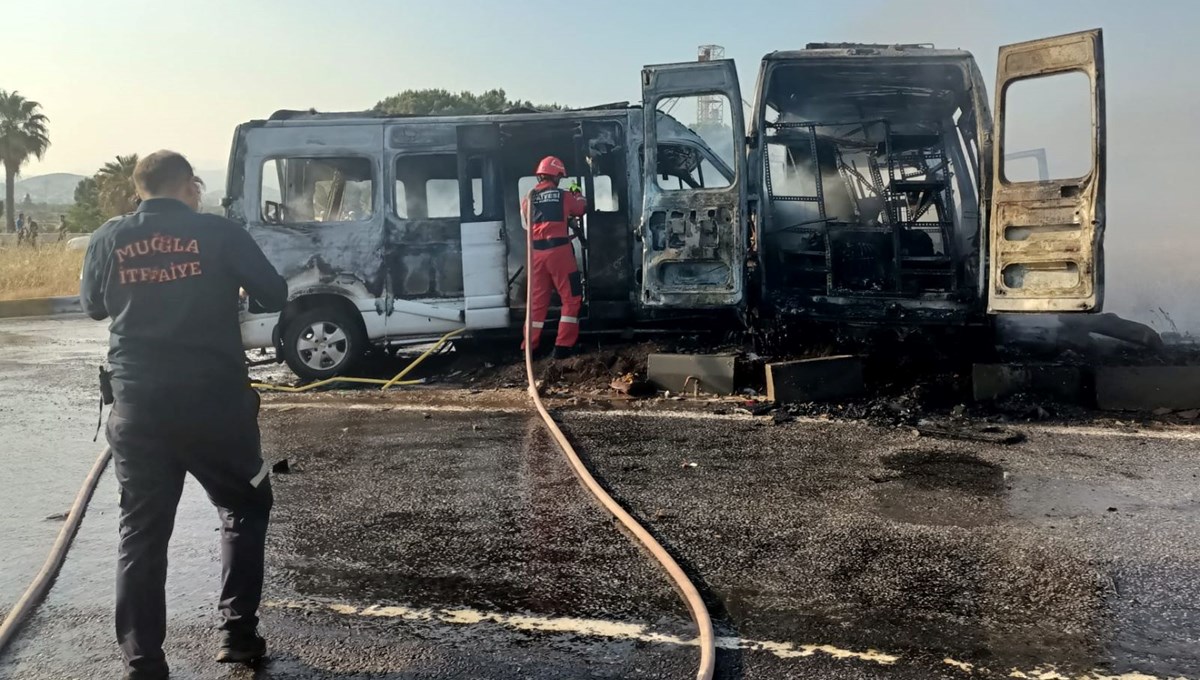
<point x="940" y="488"/>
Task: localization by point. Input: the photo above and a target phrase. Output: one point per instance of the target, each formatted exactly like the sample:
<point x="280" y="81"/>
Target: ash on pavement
<point x="452" y="542"/>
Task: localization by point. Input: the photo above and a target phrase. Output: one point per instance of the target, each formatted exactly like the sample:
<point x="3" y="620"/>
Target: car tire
<point x="322" y="343"/>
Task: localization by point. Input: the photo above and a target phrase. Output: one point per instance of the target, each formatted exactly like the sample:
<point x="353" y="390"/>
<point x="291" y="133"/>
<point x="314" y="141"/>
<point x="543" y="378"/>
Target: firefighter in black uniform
<point x="169" y="278"/>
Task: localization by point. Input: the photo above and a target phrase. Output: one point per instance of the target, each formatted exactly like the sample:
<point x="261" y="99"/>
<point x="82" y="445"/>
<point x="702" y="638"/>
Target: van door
<point x="693" y="227"/>
<point x="484" y="250"/>
<point x="313" y="200"/>
<point x="1046" y="236"/>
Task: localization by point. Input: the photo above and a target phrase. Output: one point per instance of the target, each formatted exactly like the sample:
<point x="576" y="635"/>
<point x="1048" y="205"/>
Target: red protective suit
<point x="545" y="212"/>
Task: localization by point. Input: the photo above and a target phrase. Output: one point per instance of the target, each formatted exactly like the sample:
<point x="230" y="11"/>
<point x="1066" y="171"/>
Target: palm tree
<point x="114" y="185"/>
<point x="23" y="136"/>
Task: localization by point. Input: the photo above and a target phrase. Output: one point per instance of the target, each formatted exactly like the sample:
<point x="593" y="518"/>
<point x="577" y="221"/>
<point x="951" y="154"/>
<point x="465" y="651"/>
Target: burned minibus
<point x="869" y="187"/>
<point x="399" y="229"/>
<point x="888" y="193"/>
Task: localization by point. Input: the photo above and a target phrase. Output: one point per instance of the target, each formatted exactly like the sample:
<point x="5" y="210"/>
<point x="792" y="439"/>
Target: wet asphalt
<point x="425" y="542"/>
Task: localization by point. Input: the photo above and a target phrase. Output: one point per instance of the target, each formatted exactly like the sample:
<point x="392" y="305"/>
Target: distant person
<point x="169" y="278"/>
<point x="20" y="227"/>
<point x="62" y="228"/>
<point x="31" y="232"/>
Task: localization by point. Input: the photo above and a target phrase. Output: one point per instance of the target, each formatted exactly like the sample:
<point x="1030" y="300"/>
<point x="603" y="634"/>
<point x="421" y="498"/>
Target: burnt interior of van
<point x="309" y="190"/>
<point x="863" y="169"/>
<point x="594" y="153"/>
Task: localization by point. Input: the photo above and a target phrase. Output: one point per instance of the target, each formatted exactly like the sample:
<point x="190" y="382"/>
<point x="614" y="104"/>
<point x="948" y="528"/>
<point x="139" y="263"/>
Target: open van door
<point x="1046" y="235"/>
<point x="694" y="223"/>
<point x="484" y="249"/>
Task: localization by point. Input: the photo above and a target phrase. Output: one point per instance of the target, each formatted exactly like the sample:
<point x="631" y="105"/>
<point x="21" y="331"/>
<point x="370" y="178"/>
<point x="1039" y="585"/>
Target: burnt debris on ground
<point x="1041" y="369"/>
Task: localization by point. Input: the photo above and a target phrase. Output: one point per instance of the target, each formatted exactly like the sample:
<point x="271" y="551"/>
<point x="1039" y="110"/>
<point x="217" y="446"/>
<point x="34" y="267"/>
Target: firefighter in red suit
<point x="546" y="212"/>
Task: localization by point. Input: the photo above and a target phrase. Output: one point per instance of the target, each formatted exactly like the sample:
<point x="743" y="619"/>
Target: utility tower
<point x="710" y="109"/>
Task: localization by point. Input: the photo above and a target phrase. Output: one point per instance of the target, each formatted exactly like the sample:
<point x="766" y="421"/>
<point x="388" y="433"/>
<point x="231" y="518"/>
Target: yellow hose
<point x="689" y="594"/>
<point x="395" y="380"/>
<point x="436" y="346"/>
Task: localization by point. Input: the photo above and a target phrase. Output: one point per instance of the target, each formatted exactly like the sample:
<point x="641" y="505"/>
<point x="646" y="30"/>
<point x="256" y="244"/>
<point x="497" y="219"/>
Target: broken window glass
<point x="307" y="190"/>
<point x="1048" y="128"/>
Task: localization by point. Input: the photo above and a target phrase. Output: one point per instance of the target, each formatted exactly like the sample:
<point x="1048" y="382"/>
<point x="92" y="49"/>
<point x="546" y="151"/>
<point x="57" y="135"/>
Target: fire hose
<point x="37" y="590"/>
<point x="687" y="591"/>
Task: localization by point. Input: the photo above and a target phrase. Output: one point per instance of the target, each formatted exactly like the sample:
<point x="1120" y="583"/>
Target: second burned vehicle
<point x="869" y="186"/>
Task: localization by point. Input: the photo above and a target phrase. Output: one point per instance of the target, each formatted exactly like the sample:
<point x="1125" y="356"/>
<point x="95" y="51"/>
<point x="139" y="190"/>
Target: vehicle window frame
<point x="706" y="154"/>
<point x="565" y="182"/>
<point x="394" y="178"/>
<point x="1000" y="172"/>
<point x="260" y="217"/>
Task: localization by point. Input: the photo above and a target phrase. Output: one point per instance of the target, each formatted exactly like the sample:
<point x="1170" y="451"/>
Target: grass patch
<point x="48" y="271"/>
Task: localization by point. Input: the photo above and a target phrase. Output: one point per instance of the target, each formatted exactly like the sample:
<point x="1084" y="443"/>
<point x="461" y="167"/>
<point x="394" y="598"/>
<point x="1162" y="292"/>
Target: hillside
<point x="58" y="187"/>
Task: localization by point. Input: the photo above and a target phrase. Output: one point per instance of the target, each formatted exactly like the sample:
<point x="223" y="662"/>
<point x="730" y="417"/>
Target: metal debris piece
<point x="1145" y="388"/>
<point x="700" y="373"/>
<point x="821" y="379"/>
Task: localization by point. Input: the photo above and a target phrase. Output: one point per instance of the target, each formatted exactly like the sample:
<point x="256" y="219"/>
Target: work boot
<point x="242" y="648"/>
<point x="561" y="352"/>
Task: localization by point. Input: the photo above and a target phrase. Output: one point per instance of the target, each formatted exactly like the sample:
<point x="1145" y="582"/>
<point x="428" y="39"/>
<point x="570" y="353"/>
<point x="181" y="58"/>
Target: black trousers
<point x="154" y="445"/>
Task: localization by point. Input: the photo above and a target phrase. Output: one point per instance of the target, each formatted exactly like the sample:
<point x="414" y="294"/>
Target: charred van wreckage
<point x="869" y="187"/>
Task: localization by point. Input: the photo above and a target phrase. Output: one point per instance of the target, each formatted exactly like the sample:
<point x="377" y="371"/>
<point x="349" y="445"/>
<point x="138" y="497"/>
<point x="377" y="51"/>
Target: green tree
<point x="85" y="215"/>
<point x="114" y="185"/>
<point x="23" y="135"/>
<point x="435" y="102"/>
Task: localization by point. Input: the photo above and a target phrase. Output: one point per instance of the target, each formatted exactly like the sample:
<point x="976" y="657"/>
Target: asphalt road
<point x="418" y="541"/>
<point x="48" y="410"/>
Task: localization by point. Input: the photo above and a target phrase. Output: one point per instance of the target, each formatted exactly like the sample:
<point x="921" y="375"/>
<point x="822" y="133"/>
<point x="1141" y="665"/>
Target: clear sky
<point x="123" y="76"/>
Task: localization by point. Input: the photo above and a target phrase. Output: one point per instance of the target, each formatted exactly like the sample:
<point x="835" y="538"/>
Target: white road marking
<point x="590" y="627"/>
<point x="1051" y="674"/>
<point x="520" y="410"/>
<point x="641" y="633"/>
<point x="1181" y="434"/>
<point x="960" y="665"/>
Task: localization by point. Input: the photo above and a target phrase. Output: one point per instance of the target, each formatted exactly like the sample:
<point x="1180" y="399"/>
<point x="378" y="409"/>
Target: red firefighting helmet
<point x="551" y="166"/>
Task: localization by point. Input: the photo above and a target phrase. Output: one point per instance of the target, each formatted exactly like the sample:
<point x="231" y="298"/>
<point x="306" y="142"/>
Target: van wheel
<point x="322" y="343"/>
